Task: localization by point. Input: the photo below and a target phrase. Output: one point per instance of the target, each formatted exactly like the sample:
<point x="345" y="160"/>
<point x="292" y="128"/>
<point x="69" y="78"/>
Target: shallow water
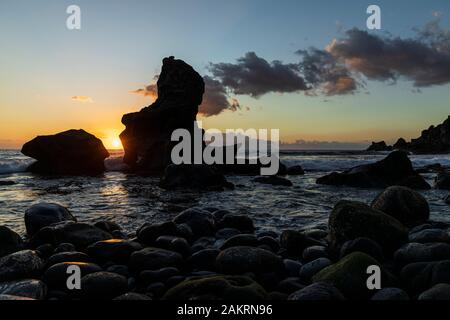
<point x="131" y="200"/>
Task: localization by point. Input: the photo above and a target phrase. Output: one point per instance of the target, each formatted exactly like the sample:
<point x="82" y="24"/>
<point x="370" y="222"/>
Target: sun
<point x="116" y="143"/>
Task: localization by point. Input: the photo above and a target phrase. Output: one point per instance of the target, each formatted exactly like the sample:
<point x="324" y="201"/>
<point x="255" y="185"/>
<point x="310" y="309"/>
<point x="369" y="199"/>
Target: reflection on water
<point x="131" y="200"/>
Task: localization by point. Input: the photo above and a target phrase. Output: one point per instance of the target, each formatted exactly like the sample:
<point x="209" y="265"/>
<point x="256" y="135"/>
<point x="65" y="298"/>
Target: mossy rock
<point x="350" y="275"/>
<point x="235" y="288"/>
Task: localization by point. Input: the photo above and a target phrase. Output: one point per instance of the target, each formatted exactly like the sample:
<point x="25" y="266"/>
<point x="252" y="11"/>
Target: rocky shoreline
<point x="216" y="254"/>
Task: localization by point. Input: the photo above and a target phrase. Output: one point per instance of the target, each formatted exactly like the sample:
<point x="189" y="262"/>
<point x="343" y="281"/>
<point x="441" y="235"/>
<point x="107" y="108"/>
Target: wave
<point x="14" y="165"/>
<point x="115" y="163"/>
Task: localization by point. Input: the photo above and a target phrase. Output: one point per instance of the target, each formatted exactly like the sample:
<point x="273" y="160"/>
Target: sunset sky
<point x="53" y="79"/>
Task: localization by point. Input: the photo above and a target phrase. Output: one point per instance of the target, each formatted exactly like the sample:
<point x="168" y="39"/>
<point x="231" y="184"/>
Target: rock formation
<point x="379" y="146"/>
<point x="73" y="152"/>
<point x="147" y="136"/>
<point x="395" y="169"/>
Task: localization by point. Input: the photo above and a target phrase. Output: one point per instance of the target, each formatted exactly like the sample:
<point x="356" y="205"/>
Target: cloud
<point x="424" y="60"/>
<point x="148" y="91"/>
<point x="255" y="76"/>
<point x="82" y="99"/>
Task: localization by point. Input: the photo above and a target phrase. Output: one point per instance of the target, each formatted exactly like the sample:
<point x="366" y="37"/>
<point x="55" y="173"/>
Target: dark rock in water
<point x="73" y="152"/>
<point x="68" y="257"/>
<point x="429" y="235"/>
<point x="132" y="296"/>
<point x="442" y="181"/>
<point x="395" y="169"/>
<point x="274" y="180"/>
<point x="6" y="183"/>
<point x="56" y="276"/>
<point x="314" y="252"/>
<point x="390" y="294"/>
<point x="295" y="242"/>
<point x="20" y="265"/>
<point x="154" y="258"/>
<point x="308" y="270"/>
<point x="103" y="286"/>
<point x="44" y="214"/>
<point x="349" y="275"/>
<point x="320" y="291"/>
<point x="404" y="204"/>
<point x="418" y="252"/>
<point x="350" y="220"/>
<point x="148" y="233"/>
<point x="194" y="176"/>
<point x="237" y="221"/>
<point x="379" y="146"/>
<point x="228" y="288"/>
<point x="364" y="245"/>
<point x="201" y="222"/>
<point x="80" y="235"/>
<point x="249" y="240"/>
<point x="239" y="260"/>
<point x="173" y="243"/>
<point x="447" y="200"/>
<point x="113" y="250"/>
<point x="10" y="241"/>
<point x="295" y="170"/>
<point x="401" y="144"/>
<point x="438" y="292"/>
<point x="203" y="260"/>
<point x="34" y="289"/>
<point x="436" y="139"/>
<point x="147" y="136"/>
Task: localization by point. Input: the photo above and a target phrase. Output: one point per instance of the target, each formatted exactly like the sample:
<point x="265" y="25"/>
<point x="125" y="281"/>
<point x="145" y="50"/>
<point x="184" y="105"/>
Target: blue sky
<point x="121" y="44"/>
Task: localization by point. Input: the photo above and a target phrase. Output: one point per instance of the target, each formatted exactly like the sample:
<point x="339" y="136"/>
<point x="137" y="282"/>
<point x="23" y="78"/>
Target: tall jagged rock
<point x="436" y="139"/>
<point x="147" y="136"/>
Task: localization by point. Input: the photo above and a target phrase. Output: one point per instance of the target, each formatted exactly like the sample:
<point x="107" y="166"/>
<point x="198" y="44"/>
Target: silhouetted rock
<point x="442" y="181"/>
<point x="193" y="176"/>
<point x="274" y="180"/>
<point x="44" y="214"/>
<point x="10" y="241"/>
<point x="395" y="169"/>
<point x="401" y="144"/>
<point x="296" y="170"/>
<point x="379" y="146"/>
<point x="24" y="264"/>
<point x="73" y="152"/>
<point x="436" y="139"/>
<point x="406" y="205"/>
<point x="447" y="200"/>
<point x="147" y="136"/>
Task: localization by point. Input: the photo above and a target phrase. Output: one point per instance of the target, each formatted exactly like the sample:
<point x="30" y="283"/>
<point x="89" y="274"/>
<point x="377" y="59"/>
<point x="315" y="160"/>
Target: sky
<point x="54" y="79"/>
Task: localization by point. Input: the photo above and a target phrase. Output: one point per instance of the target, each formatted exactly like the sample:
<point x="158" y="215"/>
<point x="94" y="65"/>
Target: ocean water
<point x="132" y="200"/>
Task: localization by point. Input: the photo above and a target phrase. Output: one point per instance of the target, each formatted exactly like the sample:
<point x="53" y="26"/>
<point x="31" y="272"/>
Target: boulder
<point x="30" y="288"/>
<point x="147" y="136"/>
<point x="236" y="221"/>
<point x="350" y="220"/>
<point x="203" y="260"/>
<point x="274" y="180"/>
<point x="295" y="242"/>
<point x="395" y="169"/>
<point x="438" y="292"/>
<point x="350" y="276"/>
<point x="81" y="235"/>
<point x="56" y="275"/>
<point x="379" y="146"/>
<point x="68" y="257"/>
<point x="239" y="260"/>
<point x="296" y="170"/>
<point x="154" y="258"/>
<point x="201" y="222"/>
<point x="422" y="252"/>
<point x="442" y="181"/>
<point x="390" y="294"/>
<point x="193" y="176"/>
<point x="314" y="252"/>
<point x="148" y="233"/>
<point x="429" y="235"/>
<point x="248" y="240"/>
<point x="404" y="204"/>
<point x="320" y="291"/>
<point x="10" y="241"/>
<point x="364" y="245"/>
<point x="103" y="286"/>
<point x="228" y="288"/>
<point x="113" y="250"/>
<point x="73" y="152"/>
<point x="308" y="270"/>
<point x="21" y="265"/>
<point x="44" y="214"/>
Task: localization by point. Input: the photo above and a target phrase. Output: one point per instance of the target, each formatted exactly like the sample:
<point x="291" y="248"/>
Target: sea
<point x="131" y="200"/>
